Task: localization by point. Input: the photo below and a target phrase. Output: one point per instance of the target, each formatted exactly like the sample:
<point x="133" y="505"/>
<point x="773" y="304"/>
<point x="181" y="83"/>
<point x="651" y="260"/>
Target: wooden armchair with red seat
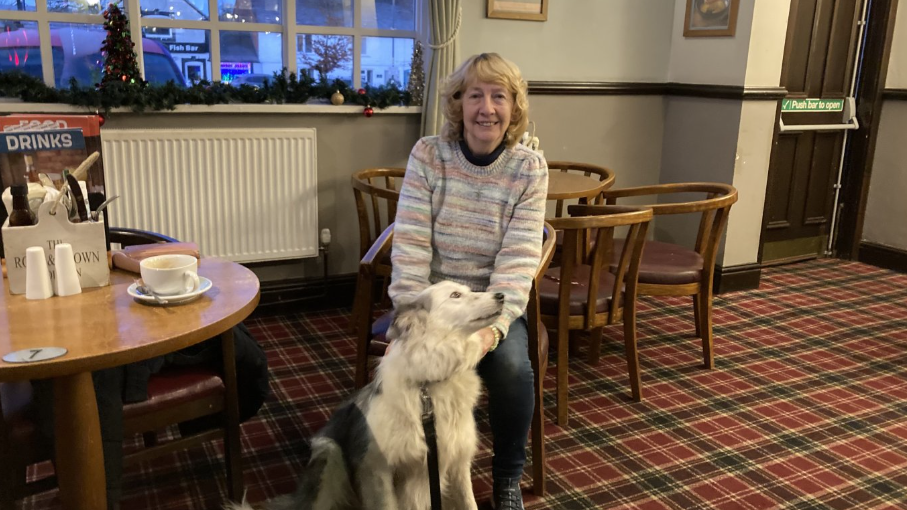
<point x="582" y="295"/>
<point x="376" y="191"/>
<point x="671" y="269"/>
<point x="175" y="395"/>
<point x="370" y="326"/>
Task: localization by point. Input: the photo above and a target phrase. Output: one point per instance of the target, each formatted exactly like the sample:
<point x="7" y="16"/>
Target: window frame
<point x="289" y="30"/>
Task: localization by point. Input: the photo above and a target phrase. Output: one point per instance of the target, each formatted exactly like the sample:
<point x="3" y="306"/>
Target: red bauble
<point x="123" y="77"/>
<point x="361" y="92"/>
<point x="368" y="112"/>
<point x="101" y="120"/>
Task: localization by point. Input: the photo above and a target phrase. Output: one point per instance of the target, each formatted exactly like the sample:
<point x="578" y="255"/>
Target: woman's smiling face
<point x="486" y="116"/>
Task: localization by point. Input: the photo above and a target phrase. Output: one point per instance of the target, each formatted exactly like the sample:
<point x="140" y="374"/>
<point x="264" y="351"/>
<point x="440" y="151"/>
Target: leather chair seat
<point x="174" y="386"/>
<point x="379" y="334"/>
<point x="550" y="284"/>
<point x="664" y="263"/>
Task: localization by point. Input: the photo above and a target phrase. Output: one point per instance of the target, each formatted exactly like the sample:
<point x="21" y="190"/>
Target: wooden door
<point x="818" y="64"/>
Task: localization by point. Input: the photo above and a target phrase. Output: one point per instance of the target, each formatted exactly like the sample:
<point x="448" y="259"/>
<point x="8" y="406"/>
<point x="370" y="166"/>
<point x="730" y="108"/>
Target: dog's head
<point x="435" y="329"/>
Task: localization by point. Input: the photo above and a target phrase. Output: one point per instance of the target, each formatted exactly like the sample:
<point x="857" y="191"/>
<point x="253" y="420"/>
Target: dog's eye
<point x="454" y="295"/>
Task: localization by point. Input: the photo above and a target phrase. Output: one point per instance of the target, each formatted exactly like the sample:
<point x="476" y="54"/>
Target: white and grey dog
<point x="372" y="452"/>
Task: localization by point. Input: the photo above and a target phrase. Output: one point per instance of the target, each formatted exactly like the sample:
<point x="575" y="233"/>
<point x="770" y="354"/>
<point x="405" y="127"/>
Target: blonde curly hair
<point x="487" y="68"/>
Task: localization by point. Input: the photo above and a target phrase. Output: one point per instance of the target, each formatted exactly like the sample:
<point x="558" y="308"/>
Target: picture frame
<point x="527" y="10"/>
<point x="710" y="18"/>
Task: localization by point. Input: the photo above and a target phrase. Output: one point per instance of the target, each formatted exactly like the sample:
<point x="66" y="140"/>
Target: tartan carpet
<point x="806" y="408"/>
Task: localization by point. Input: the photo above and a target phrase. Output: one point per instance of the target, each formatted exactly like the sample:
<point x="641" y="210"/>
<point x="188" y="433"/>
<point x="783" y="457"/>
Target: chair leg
<point x="10" y="477"/>
<point x="574" y="339"/>
<point x="632" y="352"/>
<point x="563" y="356"/>
<point x="361" y="362"/>
<point x="538" y="431"/>
<point x="233" y="459"/>
<point x="149" y="439"/>
<point x="704" y="324"/>
<point x="697" y="314"/>
<point x="232" y="444"/>
<point x="595" y="345"/>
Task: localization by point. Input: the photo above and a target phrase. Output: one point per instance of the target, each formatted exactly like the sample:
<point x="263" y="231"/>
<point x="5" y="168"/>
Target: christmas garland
<point x="285" y="88"/>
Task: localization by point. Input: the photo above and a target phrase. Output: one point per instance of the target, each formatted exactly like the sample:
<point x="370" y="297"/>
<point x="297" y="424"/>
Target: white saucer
<point x="204" y="285"/>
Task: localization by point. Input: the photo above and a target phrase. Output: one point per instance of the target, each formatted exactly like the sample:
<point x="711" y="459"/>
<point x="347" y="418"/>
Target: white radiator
<point x="244" y="195"/>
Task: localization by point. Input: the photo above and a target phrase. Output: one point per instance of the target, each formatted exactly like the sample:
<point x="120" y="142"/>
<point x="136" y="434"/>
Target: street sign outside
<point x="812" y="105"/>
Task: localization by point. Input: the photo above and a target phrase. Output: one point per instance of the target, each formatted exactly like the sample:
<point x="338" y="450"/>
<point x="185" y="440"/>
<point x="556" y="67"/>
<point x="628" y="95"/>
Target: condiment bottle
<point x="21" y="215"/>
<point x="30" y="172"/>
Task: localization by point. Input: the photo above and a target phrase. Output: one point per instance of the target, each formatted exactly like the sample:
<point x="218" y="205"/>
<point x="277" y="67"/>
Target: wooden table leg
<point x="80" y="459"/>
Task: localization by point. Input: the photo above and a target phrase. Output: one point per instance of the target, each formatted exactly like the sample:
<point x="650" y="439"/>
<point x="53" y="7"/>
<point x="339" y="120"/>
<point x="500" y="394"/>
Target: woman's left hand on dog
<point x="487" y="336"/>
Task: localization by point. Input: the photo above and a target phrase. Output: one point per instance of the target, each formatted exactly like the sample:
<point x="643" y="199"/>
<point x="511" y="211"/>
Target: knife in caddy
<point x="77" y="197"/>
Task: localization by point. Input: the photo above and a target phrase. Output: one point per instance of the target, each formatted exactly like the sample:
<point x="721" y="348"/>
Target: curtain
<point x="445" y="45"/>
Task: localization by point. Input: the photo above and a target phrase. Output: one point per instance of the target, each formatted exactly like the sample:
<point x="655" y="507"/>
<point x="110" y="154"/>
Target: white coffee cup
<point x="169" y="275"/>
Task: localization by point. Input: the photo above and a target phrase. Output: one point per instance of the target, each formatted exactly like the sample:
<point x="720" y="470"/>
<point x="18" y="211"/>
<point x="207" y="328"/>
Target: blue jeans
<point x="507" y="373"/>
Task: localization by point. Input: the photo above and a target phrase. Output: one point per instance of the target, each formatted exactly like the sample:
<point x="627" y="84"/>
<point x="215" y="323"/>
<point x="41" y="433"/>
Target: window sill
<point x="16" y="106"/>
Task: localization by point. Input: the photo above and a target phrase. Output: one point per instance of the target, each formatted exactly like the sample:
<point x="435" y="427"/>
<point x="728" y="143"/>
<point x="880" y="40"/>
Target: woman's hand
<point x="486" y="335"/>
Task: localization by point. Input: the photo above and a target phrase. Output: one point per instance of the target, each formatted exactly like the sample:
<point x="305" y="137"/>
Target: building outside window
<point x="362" y="42"/>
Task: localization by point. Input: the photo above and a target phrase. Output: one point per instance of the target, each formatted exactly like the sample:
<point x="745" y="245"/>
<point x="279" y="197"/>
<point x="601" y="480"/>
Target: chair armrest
<point x="719" y="195"/>
<point x="378" y="248"/>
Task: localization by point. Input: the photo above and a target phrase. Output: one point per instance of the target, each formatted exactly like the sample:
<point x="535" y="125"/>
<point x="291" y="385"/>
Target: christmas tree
<point x="416" y="85"/>
<point x="119" y="58"/>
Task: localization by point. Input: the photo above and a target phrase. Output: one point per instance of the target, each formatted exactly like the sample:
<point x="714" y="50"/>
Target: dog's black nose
<point x="499" y="296"/>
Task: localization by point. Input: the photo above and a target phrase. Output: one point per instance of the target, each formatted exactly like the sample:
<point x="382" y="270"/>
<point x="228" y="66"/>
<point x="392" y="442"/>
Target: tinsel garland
<point x="284" y="88"/>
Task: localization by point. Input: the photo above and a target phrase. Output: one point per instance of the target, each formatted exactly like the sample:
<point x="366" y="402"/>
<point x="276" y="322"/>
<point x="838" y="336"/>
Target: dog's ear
<point x="409" y="315"/>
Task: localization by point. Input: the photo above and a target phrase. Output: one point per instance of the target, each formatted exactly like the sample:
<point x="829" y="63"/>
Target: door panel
<point x="818" y="63"/>
<point x="836" y="81"/>
<point x="780" y="177"/>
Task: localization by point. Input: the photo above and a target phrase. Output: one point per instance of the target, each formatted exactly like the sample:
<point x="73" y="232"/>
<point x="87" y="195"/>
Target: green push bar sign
<point x="812" y="105"/>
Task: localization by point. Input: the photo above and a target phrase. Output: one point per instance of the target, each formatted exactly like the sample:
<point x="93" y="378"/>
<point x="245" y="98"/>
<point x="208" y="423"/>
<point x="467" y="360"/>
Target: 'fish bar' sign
<point x="31" y="141"/>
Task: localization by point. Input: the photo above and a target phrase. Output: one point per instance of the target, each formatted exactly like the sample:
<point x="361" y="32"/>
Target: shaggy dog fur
<point x="372" y="452"/>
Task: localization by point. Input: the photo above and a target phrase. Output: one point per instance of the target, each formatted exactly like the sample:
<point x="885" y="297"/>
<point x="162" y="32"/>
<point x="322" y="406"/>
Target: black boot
<point x="507" y="495"/>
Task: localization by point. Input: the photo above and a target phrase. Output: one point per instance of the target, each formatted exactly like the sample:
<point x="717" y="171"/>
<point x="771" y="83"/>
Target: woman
<point x="471" y="210"/>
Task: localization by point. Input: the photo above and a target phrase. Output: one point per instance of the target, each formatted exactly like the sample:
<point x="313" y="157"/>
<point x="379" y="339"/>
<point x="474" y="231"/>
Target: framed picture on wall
<point x="532" y="10"/>
<point x="710" y="18"/>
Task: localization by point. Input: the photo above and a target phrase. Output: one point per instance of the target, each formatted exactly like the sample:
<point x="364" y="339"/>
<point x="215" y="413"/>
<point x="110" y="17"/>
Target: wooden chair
<point x="19" y="446"/>
<point x="377" y="191"/>
<point x="605" y="175"/>
<point x="582" y="295"/>
<point x="371" y="341"/>
<point x="669" y="269"/>
<point x="175" y="395"/>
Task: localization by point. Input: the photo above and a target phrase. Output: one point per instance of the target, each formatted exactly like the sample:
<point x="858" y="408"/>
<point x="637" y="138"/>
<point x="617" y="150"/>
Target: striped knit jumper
<point x="479" y="226"/>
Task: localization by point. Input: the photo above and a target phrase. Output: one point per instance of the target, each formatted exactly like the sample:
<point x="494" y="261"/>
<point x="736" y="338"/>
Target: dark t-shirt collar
<point x="481" y="160"/>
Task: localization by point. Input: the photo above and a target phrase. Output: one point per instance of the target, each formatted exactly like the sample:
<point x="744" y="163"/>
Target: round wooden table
<point x="101" y="328"/>
<point x="567" y="185"/>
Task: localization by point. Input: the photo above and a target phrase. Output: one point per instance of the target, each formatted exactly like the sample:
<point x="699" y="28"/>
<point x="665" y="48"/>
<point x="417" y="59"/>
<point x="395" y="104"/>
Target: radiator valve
<point x="325" y="237"/>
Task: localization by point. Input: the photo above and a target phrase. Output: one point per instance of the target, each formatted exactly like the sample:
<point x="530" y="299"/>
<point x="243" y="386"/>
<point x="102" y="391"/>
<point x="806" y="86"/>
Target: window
<point x="362" y="42"/>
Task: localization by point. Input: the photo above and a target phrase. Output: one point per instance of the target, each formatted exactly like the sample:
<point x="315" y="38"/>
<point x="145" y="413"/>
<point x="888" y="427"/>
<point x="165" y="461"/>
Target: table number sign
<point x="34" y="355"/>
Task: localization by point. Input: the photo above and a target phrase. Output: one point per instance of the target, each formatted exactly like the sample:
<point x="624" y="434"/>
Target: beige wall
<point x="618" y="132"/>
<point x="766" y="47"/>
<point x="346" y="143"/>
<point x="725" y="140"/>
<point x="897" y="66"/>
<point x="886" y="208"/>
<point x="583" y="40"/>
<point x="710" y="60"/>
